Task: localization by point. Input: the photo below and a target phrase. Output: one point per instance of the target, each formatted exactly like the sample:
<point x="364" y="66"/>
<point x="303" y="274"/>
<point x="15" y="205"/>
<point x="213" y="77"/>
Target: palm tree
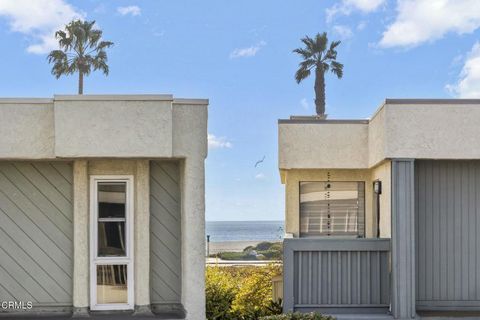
<point x="80" y="51"/>
<point x="315" y="55"/>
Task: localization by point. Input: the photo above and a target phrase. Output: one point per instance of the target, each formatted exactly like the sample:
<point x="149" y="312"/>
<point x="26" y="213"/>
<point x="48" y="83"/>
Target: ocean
<point x="245" y="230"/>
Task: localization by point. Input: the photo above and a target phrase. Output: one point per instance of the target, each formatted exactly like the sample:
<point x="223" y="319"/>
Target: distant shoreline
<point x="233" y="245"/>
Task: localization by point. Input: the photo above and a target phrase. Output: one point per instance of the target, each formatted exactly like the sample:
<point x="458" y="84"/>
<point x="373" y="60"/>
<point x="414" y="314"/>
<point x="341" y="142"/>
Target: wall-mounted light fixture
<point x="377" y="187"/>
<point x="377" y="190"/>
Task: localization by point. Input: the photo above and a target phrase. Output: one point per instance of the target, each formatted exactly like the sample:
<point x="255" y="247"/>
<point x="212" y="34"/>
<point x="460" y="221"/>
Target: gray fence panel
<point x="36" y="232"/>
<point x="165" y="237"/>
<point x="336" y="273"/>
<point x="447" y="223"/>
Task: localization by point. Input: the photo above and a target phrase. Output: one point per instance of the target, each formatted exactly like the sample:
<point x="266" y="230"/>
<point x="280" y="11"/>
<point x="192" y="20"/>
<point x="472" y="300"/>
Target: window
<point x="111" y="228"/>
<point x="332" y="209"/>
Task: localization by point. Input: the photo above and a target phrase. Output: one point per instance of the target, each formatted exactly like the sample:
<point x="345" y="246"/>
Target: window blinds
<point x="332" y="209"/>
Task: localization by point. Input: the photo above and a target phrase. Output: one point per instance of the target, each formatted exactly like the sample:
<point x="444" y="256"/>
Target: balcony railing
<point x="337" y="275"/>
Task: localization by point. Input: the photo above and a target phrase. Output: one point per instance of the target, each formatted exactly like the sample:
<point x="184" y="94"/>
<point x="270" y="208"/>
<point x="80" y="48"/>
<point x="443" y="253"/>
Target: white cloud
<point x="215" y="142"/>
<point x="342" y="31"/>
<point x="361" y="25"/>
<point x="132" y="10"/>
<point x="420" y="21"/>
<point x="304" y="104"/>
<point x="260" y="176"/>
<point x="346" y="7"/>
<point x="468" y="84"/>
<point x="247" y="52"/>
<point x="38" y="20"/>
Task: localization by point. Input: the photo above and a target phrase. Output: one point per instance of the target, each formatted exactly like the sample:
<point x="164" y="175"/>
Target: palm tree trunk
<point x="80" y="82"/>
<point x="320" y="90"/>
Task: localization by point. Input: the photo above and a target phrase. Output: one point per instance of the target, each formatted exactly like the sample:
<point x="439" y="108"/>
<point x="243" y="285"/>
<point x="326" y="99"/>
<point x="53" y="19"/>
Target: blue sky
<point x="239" y="55"/>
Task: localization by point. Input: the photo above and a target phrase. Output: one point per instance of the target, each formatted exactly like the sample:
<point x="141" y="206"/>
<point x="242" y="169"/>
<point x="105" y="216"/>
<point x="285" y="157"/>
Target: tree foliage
<point x="320" y="56"/>
<point x="240" y="293"/>
<point x="81" y="50"/>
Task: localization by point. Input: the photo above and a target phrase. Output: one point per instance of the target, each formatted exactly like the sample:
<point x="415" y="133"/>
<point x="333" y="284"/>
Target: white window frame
<point x="129" y="228"/>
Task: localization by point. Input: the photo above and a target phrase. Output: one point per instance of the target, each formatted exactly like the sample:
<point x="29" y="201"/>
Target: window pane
<point x="112" y="284"/>
<point x="111" y="239"/>
<point x="332" y="208"/>
<point x="111" y="199"/>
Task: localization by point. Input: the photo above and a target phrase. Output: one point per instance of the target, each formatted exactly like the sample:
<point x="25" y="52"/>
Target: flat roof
<point x="389" y="101"/>
<point x="431" y="101"/>
<point x="333" y="121"/>
<point x="104" y="97"/>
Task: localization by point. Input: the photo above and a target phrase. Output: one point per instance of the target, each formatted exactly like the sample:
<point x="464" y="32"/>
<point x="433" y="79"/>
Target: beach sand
<point x="231" y="246"/>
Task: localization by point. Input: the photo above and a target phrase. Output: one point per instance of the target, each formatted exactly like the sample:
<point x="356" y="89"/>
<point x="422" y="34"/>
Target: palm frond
<point x="302" y="74"/>
<point x="332" y="52"/>
<point x="93" y="37"/>
<point x="60" y="63"/>
<point x="337" y="69"/>
<point x="309" y="43"/>
<point x="103" y="45"/>
<point x="308" y="64"/>
<point x="321" y="41"/>
<point x="305" y="53"/>
<point x="334" y="44"/>
<point x="325" y="66"/>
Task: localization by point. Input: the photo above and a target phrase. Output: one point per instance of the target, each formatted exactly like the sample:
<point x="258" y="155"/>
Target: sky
<point x="239" y="55"/>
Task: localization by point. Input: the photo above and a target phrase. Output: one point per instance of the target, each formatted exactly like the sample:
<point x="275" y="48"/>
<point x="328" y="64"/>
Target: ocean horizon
<point x="262" y="230"/>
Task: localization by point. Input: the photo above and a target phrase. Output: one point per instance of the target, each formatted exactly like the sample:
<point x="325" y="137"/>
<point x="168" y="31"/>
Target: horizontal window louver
<point x="332" y="209"/>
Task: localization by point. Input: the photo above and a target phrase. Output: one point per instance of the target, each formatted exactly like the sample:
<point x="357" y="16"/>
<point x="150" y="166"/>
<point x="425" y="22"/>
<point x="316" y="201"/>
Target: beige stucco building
<point x="383" y="212"/>
<point x="102" y="205"/>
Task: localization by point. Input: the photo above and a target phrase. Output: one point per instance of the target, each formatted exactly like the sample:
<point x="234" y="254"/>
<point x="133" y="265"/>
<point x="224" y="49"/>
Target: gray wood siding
<point x="165" y="246"/>
<point x="36" y="232"/>
<point x="447" y="231"/>
<point x="336" y="273"/>
<point x="403" y="239"/>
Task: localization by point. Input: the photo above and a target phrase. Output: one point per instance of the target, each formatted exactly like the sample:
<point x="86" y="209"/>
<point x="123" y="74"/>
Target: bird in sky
<point x="259" y="161"/>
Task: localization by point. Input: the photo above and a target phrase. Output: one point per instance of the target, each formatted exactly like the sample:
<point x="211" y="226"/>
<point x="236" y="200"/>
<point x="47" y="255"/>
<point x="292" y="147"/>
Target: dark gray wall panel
<point x="165" y="240"/>
<point x="403" y="239"/>
<point x="36" y="232"/>
<point x="447" y="226"/>
<point x="336" y="273"/>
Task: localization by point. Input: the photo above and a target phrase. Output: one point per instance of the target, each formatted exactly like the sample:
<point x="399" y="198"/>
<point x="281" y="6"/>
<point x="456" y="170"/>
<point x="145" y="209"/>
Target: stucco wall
<point x="26" y="128"/>
<point x="383" y="172"/>
<point x="323" y="145"/>
<point x="113" y="128"/>
<point x="417" y="129"/>
<point x="433" y="131"/>
<point x="292" y="193"/>
<point x="103" y="126"/>
<point x="190" y="129"/>
<point x="376" y="138"/>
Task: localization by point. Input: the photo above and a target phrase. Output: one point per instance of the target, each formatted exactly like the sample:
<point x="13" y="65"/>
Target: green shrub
<point x="235" y="256"/>
<point x="255" y="295"/>
<point x="277" y="246"/>
<point x="220" y="291"/>
<point x="271" y="254"/>
<point x="248" y="249"/>
<point x="240" y="293"/>
<point x="265" y="245"/>
<point x="275" y="307"/>
<point x="298" y="316"/>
